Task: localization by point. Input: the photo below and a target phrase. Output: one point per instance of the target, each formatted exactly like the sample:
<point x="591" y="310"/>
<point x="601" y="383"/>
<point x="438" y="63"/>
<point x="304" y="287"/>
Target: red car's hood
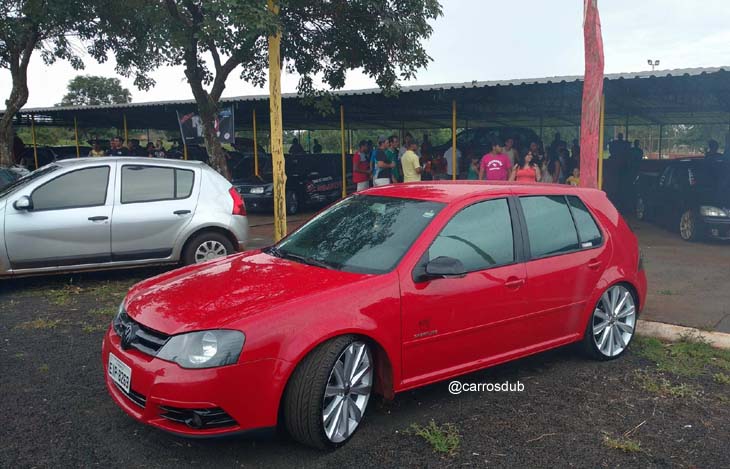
<point x="214" y="294"/>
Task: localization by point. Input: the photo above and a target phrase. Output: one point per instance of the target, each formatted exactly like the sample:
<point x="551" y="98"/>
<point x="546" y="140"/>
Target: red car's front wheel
<point x="328" y="393"/>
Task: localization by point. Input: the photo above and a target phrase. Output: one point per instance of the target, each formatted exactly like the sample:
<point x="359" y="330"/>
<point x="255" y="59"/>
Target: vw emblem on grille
<point x="128" y="335"/>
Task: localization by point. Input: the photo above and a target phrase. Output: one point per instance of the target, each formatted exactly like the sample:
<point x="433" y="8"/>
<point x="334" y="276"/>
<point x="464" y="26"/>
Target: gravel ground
<point x="572" y="412"/>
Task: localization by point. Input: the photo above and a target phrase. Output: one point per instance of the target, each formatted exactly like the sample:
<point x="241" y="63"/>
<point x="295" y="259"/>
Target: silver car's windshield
<point x="25" y="180"/>
<point x="364" y="234"/>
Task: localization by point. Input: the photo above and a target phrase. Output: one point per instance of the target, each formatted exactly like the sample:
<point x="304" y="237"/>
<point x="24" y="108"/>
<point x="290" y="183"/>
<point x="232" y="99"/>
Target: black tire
<point x="190" y="249"/>
<point x="590" y="348"/>
<point x="292" y="203"/>
<point x="304" y="395"/>
<point x="690" y="228"/>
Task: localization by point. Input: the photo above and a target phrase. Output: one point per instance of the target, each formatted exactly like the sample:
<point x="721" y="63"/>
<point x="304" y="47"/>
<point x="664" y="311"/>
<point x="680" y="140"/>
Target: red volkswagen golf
<point x="390" y="289"/>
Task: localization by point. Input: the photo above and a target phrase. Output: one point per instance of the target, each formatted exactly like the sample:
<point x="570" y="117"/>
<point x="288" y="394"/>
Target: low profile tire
<point x="689" y="228"/>
<point x="206" y="246"/>
<point x="612" y="324"/>
<point x="328" y="393"/>
<point x="292" y="203"/>
<point x="640" y="209"/>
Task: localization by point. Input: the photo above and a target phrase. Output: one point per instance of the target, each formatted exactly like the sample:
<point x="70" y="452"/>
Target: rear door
<point x="567" y="257"/>
<point x="152" y="207"/>
<point x="69" y="223"/>
<point x="452" y="324"/>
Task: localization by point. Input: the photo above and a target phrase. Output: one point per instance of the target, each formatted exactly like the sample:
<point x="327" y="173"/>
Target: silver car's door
<point x="153" y="205"/>
<point x="68" y="222"/>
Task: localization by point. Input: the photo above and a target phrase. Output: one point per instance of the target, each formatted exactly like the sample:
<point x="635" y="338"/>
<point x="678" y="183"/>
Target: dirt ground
<point x="641" y="410"/>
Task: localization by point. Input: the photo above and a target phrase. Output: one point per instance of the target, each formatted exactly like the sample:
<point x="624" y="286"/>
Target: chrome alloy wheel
<point x="208" y="250"/>
<point x="347" y="393"/>
<point x="614" y="321"/>
<point x="687" y="225"/>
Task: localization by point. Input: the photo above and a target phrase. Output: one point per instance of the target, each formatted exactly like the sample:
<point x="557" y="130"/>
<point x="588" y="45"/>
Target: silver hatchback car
<point x="94" y="213"/>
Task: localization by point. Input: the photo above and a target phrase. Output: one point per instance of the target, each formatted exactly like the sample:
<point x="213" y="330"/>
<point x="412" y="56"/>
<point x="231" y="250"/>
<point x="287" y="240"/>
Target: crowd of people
<point x="117" y="148"/>
<point x="388" y="161"/>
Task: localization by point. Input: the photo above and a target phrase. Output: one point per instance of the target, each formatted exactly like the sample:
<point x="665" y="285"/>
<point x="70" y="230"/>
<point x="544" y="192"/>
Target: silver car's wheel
<point x="210" y="249"/>
<point x="613" y="322"/>
<point x="347" y="393"/>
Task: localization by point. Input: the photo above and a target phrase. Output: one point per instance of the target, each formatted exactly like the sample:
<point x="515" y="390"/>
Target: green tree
<point x="27" y="26"/>
<point x="84" y="90"/>
<point x="213" y="38"/>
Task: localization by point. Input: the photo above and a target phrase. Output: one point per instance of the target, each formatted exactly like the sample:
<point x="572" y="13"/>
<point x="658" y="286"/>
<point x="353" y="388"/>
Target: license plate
<point x="119" y="372"/>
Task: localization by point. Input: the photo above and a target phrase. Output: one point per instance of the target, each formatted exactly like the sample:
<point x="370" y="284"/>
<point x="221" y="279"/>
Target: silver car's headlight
<point x="203" y="349"/>
<point x="709" y="211"/>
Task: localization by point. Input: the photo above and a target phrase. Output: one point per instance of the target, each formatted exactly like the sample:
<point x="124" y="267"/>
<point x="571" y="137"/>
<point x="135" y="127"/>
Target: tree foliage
<point x="321" y="39"/>
<point x="27" y="26"/>
<point x="85" y="90"/>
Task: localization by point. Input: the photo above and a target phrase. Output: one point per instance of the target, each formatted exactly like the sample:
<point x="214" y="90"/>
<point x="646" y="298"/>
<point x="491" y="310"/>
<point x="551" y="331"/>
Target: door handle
<point x="594" y="264"/>
<point x="181" y="212"/>
<point x="514" y="283"/>
<point x="98" y="218"/>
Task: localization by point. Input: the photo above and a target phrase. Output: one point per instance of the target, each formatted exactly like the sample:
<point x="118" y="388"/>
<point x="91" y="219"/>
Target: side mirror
<point x="23" y="203"/>
<point x="445" y="267"/>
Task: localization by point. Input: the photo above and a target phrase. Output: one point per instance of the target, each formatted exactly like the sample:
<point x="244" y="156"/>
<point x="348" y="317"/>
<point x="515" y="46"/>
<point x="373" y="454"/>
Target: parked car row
<point x="690" y="197"/>
<point x="93" y="213"/>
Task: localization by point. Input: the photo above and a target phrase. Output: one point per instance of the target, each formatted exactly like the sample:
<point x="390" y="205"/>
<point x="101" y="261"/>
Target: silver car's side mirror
<point x="23" y="203"/>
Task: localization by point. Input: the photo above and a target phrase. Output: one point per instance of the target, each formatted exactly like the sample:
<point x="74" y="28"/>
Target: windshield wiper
<point x="276" y="252"/>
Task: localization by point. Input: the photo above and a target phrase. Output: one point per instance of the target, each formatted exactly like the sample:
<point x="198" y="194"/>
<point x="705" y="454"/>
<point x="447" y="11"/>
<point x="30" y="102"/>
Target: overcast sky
<point x="491" y="40"/>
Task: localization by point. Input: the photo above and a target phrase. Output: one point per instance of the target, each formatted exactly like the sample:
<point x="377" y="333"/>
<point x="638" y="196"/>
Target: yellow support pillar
<point x="255" y="147"/>
<point x="35" y="145"/>
<point x="342" y="145"/>
<point x="126" y="134"/>
<point x="600" y="143"/>
<point x="454" y="169"/>
<point x="277" y="143"/>
<point x="76" y="134"/>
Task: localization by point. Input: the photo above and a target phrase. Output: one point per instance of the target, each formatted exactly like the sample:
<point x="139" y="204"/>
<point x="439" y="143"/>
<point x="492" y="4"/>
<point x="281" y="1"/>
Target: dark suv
<point x="690" y="196"/>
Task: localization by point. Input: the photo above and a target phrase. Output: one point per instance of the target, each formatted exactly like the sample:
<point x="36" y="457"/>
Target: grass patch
<point x="39" y="324"/>
<point x="721" y="378"/>
<point x="661" y="386"/>
<point x="43" y="368"/>
<point x="444" y="439"/>
<point x="61" y="296"/>
<point x="111" y="291"/>
<point x="624" y="444"/>
<point x="104" y="311"/>
<point x="92" y="328"/>
<point x="690" y="356"/>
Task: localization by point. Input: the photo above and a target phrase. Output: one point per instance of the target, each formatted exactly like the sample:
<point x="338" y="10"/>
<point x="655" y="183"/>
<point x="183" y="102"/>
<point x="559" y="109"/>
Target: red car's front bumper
<point x="161" y="391"/>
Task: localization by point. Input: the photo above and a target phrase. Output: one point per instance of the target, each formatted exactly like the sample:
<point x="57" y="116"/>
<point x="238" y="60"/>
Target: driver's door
<point x="457" y="324"/>
<point x="69" y="222"/>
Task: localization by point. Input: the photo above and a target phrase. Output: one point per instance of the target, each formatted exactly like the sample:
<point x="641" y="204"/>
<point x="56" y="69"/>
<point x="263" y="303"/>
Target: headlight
<point x="709" y="211"/>
<point x="203" y="349"/>
<point x="257" y="190"/>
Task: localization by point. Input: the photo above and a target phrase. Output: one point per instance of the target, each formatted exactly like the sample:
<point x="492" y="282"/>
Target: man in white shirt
<point x="509" y="150"/>
<point x="448" y="156"/>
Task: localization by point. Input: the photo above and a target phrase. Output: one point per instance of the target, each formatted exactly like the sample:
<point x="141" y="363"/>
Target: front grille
<point x="199" y="419"/>
<point x="134" y="396"/>
<point x="135" y="335"/>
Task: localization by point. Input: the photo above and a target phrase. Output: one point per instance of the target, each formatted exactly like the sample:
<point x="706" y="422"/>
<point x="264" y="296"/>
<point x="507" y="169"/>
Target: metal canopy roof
<point x="683" y="96"/>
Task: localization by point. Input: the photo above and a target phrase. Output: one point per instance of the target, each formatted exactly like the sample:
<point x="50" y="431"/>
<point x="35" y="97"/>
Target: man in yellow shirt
<point x="411" y="164"/>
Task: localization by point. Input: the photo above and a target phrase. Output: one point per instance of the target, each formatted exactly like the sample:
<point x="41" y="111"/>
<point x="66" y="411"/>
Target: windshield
<point x="363" y="234"/>
<point x="25" y="180"/>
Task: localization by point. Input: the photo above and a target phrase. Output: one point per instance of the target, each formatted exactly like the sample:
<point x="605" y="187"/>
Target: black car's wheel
<point x="612" y="324"/>
<point x="206" y="246"/>
<point x="292" y="203"/>
<point x="689" y="228"/>
<point x="640" y="209"/>
<point x="328" y="393"/>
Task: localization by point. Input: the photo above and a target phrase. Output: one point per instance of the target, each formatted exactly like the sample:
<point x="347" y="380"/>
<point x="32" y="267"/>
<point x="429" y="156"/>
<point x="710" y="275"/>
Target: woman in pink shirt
<point x="525" y="170"/>
<point x="495" y="165"/>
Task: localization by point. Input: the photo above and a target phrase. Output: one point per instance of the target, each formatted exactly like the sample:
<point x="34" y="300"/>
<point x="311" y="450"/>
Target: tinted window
<point x="82" y="188"/>
<point x="360" y="234"/>
<point x="150" y="183"/>
<point x="549" y="225"/>
<point x="588" y="231"/>
<point x="480" y="236"/>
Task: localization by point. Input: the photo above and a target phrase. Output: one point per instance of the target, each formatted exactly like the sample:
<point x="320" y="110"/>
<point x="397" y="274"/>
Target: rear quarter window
<point x="550" y="226"/>
<point x="589" y="234"/>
